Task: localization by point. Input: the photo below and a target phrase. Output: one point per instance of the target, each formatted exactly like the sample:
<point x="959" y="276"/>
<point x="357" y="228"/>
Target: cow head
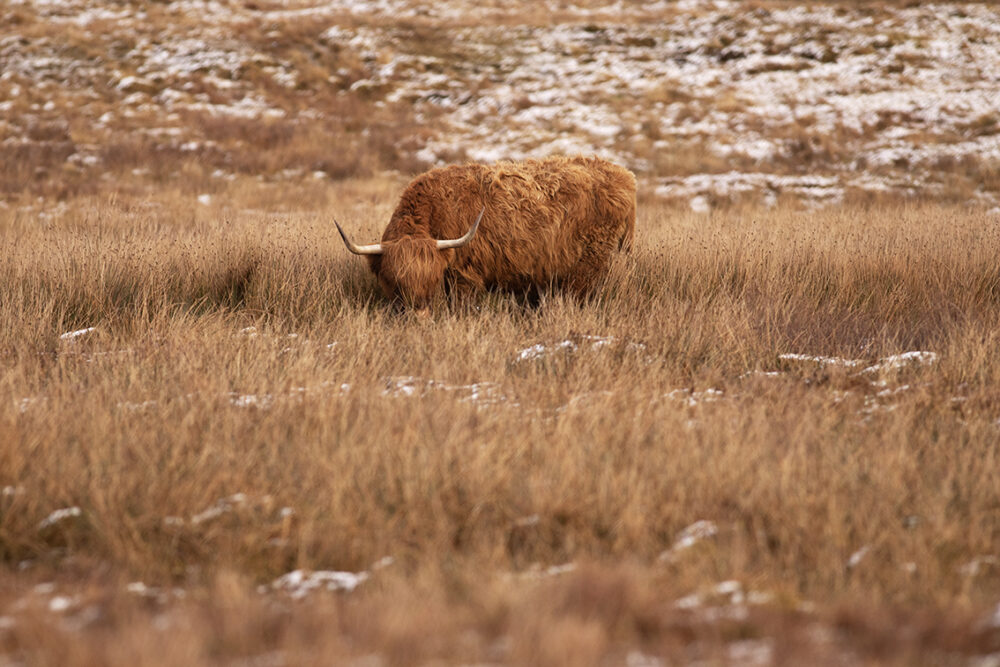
<point x="410" y="268"/>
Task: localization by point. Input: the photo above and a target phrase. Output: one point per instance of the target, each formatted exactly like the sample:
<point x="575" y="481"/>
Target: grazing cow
<point x="551" y="221"/>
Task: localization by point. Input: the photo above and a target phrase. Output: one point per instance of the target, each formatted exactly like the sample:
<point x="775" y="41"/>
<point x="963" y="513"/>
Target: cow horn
<point x="459" y="242"/>
<point x="373" y="249"/>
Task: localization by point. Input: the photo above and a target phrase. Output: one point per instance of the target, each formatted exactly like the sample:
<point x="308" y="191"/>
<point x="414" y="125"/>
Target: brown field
<point x="772" y="437"/>
<point x="254" y="357"/>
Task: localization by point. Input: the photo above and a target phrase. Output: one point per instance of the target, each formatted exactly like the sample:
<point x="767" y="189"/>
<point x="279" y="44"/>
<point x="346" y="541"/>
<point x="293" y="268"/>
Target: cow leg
<point x="460" y="289"/>
<point x="589" y="269"/>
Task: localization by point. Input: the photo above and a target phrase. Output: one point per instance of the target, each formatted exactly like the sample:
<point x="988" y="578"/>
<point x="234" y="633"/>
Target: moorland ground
<point x="246" y="405"/>
<point x="771" y="437"/>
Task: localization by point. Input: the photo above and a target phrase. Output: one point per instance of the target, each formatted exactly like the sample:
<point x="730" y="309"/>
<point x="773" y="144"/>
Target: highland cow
<point x="518" y="226"/>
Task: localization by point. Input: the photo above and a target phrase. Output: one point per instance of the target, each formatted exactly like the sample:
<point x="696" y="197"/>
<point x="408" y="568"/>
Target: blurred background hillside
<point x="709" y="102"/>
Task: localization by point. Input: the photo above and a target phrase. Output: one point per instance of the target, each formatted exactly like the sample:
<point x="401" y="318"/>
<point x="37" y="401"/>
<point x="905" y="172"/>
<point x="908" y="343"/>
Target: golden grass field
<point x="772" y="437"/>
<point x="251" y="354"/>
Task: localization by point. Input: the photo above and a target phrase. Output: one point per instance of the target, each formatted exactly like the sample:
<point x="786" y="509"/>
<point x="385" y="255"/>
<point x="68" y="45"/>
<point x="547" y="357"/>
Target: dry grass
<point x="247" y="405"/>
<point x="590" y="456"/>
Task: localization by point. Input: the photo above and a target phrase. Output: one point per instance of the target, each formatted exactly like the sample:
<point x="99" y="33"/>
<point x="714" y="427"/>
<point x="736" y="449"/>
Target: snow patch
<point x="858" y="556"/>
<point x="300" y="583"/>
<point x="222" y="506"/>
<point x="59" y="516"/>
<point x="899" y="361"/>
<point x="699" y="204"/>
<point x="540" y="351"/>
<point x="822" y="361"/>
<point x="697" y="532"/>
<point x="978" y="564"/>
<point x="71" y="336"/>
<point x="479" y="393"/>
<point x="893" y="362"/>
<point x="692" y="398"/>
<point x="60" y="604"/>
<point x="539" y="572"/>
<point x="159" y="595"/>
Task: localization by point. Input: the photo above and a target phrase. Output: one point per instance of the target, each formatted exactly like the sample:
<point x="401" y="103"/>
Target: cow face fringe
<point x="411" y="270"/>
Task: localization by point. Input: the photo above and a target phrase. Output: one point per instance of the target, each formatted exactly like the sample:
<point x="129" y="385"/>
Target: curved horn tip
<point x="475" y="225"/>
<point x="463" y="240"/>
<point x="373" y="249"/>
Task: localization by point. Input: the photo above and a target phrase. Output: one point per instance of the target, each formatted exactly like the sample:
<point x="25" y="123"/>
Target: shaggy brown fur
<point x="552" y="221"/>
